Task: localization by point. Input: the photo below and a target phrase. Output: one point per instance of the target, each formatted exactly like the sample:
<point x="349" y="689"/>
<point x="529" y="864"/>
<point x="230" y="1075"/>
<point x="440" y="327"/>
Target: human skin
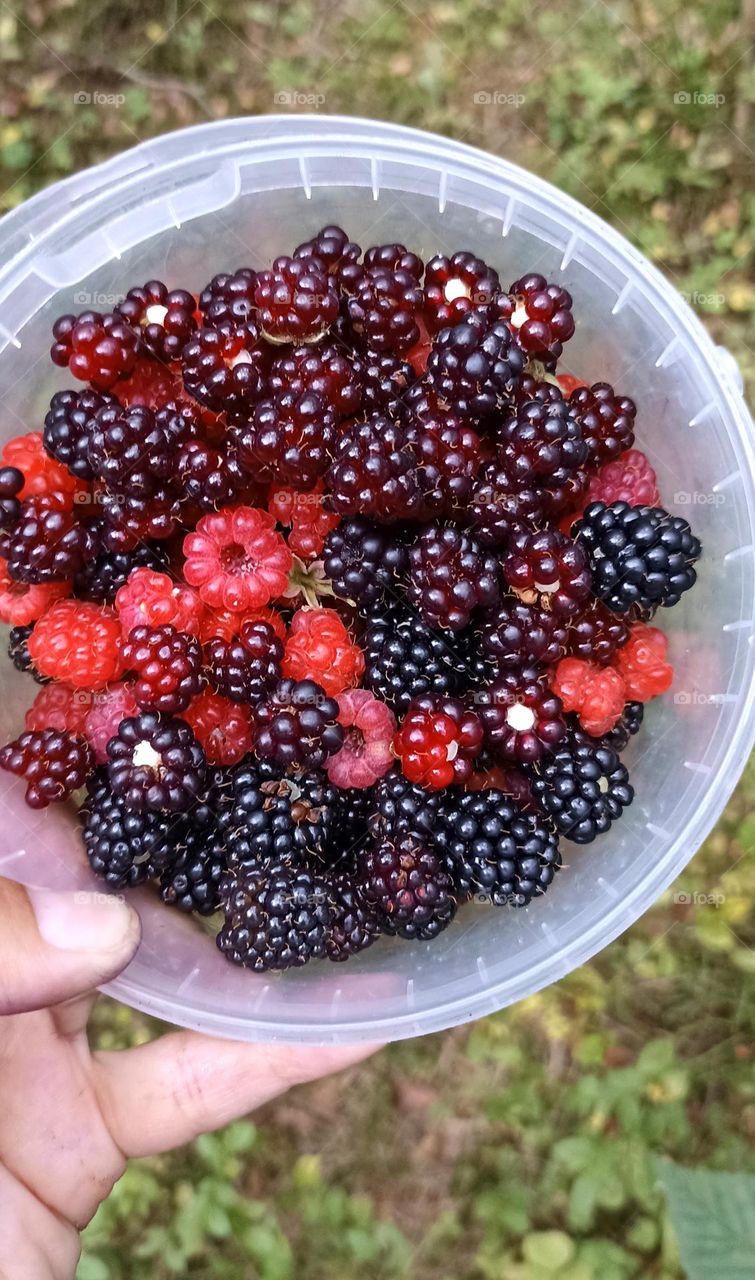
<point x="70" y="1118"/>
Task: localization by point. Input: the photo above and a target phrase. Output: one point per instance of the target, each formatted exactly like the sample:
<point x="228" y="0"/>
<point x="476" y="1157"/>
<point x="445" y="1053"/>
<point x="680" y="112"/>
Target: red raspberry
<point x="236" y="559"/>
<point x="319" y="648"/>
<point x="97" y="349"/>
<point x="228" y="623"/>
<point x="304" y="512"/>
<point x="642" y="663"/>
<point x="154" y="600"/>
<point x="296" y="300"/>
<point x="43" y="475"/>
<point x="53" y="764"/>
<point x="79" y="643"/>
<point x="629" y="478"/>
<point x="366" y="752"/>
<point x="438" y="741"/>
<point x="222" y="728"/>
<point x="24" y="602"/>
<point x="58" y="706"/>
<point x="168" y="668"/>
<point x="107" y="709"/>
<point x="596" y="694"/>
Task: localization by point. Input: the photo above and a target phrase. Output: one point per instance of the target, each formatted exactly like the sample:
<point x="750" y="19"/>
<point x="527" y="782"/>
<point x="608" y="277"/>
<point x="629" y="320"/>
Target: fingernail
<point x="84" y="921"/>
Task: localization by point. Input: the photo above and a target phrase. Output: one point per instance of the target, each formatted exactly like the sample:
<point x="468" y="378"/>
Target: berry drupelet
<point x="405" y="658"/>
<point x="640" y="557"/>
<point x="276" y="916"/>
<point x="606" y="420"/>
<point x="156" y="763"/>
<point x="474" y="367"/>
<point x="68" y="428"/>
<point x="167" y="665"/>
<point x="375" y="472"/>
<point x="125" y="848"/>
<point x="296" y="301"/>
<point x="493" y="849"/>
<point x="450" y="577"/>
<point x="53" y="763"/>
<point x="243" y="668"/>
<point x="582" y="788"/>
<point x="364" y="561"/>
<point x="297" y="725"/>
<point x="100" y="349"/>
<point x="404" y="882"/>
<point x="455" y="286"/>
<point x="11" y="484"/>
<point x="162" y="318"/>
<point x="521" y="716"/>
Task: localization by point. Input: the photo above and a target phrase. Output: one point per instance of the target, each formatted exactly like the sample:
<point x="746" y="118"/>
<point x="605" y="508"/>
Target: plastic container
<point x="240" y="191"/>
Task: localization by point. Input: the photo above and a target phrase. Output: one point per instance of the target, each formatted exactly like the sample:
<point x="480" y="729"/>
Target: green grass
<point x="523" y="1147"/>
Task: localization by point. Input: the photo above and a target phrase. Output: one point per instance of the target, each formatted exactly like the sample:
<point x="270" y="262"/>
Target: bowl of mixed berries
<point x="344" y="594"/>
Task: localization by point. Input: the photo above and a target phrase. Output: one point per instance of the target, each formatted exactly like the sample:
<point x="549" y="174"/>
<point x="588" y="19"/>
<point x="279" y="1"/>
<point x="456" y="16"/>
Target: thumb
<point x="54" y="946"/>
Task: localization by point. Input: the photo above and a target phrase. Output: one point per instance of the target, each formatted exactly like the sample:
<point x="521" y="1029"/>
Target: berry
<point x="124" y="848"/>
<point x="47" y="545"/>
<point x="393" y="257"/>
<point x="400" y="806"/>
<point x="168" y="667"/>
<point x="296" y="301"/>
<point x="500" y="507"/>
<point x="228" y="622"/>
<point x="386" y="379"/>
<point x="628" y="478"/>
<point x="518" y="635"/>
<point x="192" y="880"/>
<point x="276" y="917"/>
<point x="227" y="302"/>
<point x="404" y="658"/>
<point x="353" y="925"/>
<point x="108" y="708"/>
<point x="336" y="379"/>
<point x="595" y="694"/>
<point x="222" y="729"/>
<point x="245" y="666"/>
<point x="450" y="576"/>
<point x="331" y="248"/>
<point x="352" y="814"/>
<point x="383" y="308"/>
<point x="541" y="444"/>
<point x="129" y="521"/>
<point x="475" y="367"/>
<point x="642" y="664"/>
<point x="305" y="513"/>
<point x="455" y="286"/>
<point x="289" y="439"/>
<point x="494" y="849"/>
<point x="153" y="599"/>
<point x="522" y="718"/>
<point x="641" y="557"/>
<point x="102" y="577"/>
<point x="53" y="764"/>
<point x="297" y="725"/>
<point x="11" y="484"/>
<point x="79" y="643"/>
<point x="236" y="559"/>
<point x="22" y="602"/>
<point x="152" y="384"/>
<point x="319" y="648"/>
<point x="549" y="569"/>
<point x="363" y="561"/>
<point x="156" y="763"/>
<point x="58" y="706"/>
<point x="204" y="477"/>
<point x="268" y="816"/>
<point x="542" y="316"/>
<point x="163" y="318"/>
<point x="225" y="370"/>
<point x="583" y="788"/>
<point x="18" y="652"/>
<point x="596" y="634"/>
<point x="43" y="476"/>
<point x="607" y="421"/>
<point x="366" y="752"/>
<point x="375" y="472"/>
<point x="96" y="348"/>
<point x="129" y="451"/>
<point x="404" y="882"/>
<point x="68" y="428"/>
<point x="628" y="724"/>
<point x="438" y="741"/>
<point x="450" y="456"/>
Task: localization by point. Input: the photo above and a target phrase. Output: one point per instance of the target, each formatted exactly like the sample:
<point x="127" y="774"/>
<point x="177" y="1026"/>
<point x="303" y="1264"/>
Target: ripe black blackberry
<point x="544" y="567"/>
<point x="375" y="472"/>
<point x="330" y="248"/>
<point x="296" y="300"/>
<point x="449" y="455"/>
<point x="582" y="788"/>
<point x="156" y="763"/>
<point x="596" y="634"/>
<point x="521" y="716"/>
<point x="628" y="724"/>
<point x="68" y="428"/>
<point x="405" y="883"/>
<point x="353" y="925"/>
<point x="227" y="302"/>
<point x="324" y="370"/>
<point x="101" y="577"/>
<point x="475" y="367"/>
<point x="289" y="439"/>
<point x="450" y="576"/>
<point x="225" y="370"/>
<point x="162" y="318"/>
<point x="245" y="667"/>
<point x="500" y="506"/>
<point x="393" y="257"/>
<point x="491" y="847"/>
<point x="204" y="477"/>
<point x="129" y="451"/>
<point x="192" y="880"/>
<point x="542" y="316"/>
<point x="276" y="916"/>
<point x="11" y="483"/>
<point x="641" y="557"/>
<point x="541" y="443"/>
<point x="517" y="635"/>
<point x="47" y="545"/>
<point x="18" y="652"/>
<point x="398" y="806"/>
<point x="125" y="848"/>
<point x="606" y="420"/>
<point x="167" y="665"/>
<point x="53" y="764"/>
<point x="383" y="309"/>
<point x="455" y="286"/>
<point x="364" y="561"/>
<point x="265" y="815"/>
<point x="386" y="379"/>
<point x="405" y="658"/>
<point x="353" y="807"/>
<point x="297" y="725"/>
<point x="129" y="521"/>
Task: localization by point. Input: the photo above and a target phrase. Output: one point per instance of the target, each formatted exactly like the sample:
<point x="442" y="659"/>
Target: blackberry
<point x="386" y="379"/>
<point x="168" y="667"/>
<point x="68" y="428"/>
<point x="125" y="848"/>
<point x="383" y="309"/>
<point x="404" y="658"/>
<point x="363" y="561"/>
<point x="225" y="370"/>
<point x="18" y="652"/>
<point x="450" y="455"/>
<point x="450" y="576"/>
<point x="276" y="916"/>
<point x="549" y="569"/>
<point x="375" y="472"/>
<point x="100" y="349"/>
<point x="606" y="421"/>
<point x="455" y="286"/>
<point x="475" y="367"/>
<point x="53" y="764"/>
<point x="518" y="635"/>
<point x="11" y="483"/>
<point x="533" y="388"/>
<point x="227" y="302"/>
<point x="129" y="451"/>
<point x="596" y="634"/>
<point x="297" y="725"/>
<point x="521" y="716"/>
<point x="102" y="576"/>
<point x="268" y="816"/>
<point x="352" y="813"/>
<point x="398" y="806"/>
<point x="353" y="924"/>
<point x="542" y="316"/>
<point x="393" y="257"/>
<point x="582" y="788"/>
<point x="163" y="318"/>
<point x="296" y="300"/>
<point x="289" y="439"/>
<point x="156" y="763"/>
<point x="324" y="371"/>
<point x="438" y="741"/>
<point x="244" y="667"/>
<point x="628" y="724"/>
<point x="405" y="883"/>
<point x="330" y="249"/>
<point x="494" y="849"/>
<point x="500" y="507"/>
<point x="541" y="443"/>
<point x="47" y="545"/>
<point x="192" y="880"/>
<point x="129" y="521"/>
<point x="641" y="557"/>
<point x="204" y="477"/>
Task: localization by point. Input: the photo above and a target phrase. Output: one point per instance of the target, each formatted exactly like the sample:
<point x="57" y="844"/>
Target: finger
<point x="57" y="945"/>
<point x="163" y="1094"/>
<point x="34" y="1241"/>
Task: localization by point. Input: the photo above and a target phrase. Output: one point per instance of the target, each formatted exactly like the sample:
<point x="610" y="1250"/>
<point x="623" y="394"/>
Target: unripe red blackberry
<point x="438" y="741"/>
<point x="386" y="379"/>
<point x="47" y="545"/>
<point x="375" y="472"/>
<point x="450" y="576"/>
<point x="475" y="367"/>
<point x="156" y="763"/>
<point x="162" y="318"/>
<point x="542" y="316"/>
<point x="549" y="569"/>
<point x="455" y="286"/>
<point x="334" y="377"/>
<point x="297" y="725"/>
<point x="227" y="302"/>
<point x="100" y="349"/>
<point x="11" y="483"/>
<point x="500" y="506"/>
<point x="225" y="370"/>
<point x="517" y="635"/>
<point x="521" y="717"/>
<point x="541" y="443"/>
<point x="245" y="667"/>
<point x="52" y="763"/>
<point x="289" y="439"/>
<point x="596" y="634"/>
<point x="606" y="420"/>
<point x="393" y="257"/>
<point x="129" y="451"/>
<point x="383" y="310"/>
<point x="296" y="301"/>
<point x="330" y="249"/>
<point x="168" y="667"/>
<point x="450" y="455"/>
<point x="204" y="477"/>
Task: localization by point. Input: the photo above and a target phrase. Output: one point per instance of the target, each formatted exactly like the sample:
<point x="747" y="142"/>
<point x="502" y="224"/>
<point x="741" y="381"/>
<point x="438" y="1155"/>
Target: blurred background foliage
<point x="526" y="1147"/>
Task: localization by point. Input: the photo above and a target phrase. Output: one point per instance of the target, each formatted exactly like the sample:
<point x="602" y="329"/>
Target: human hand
<point x="70" y="1118"/>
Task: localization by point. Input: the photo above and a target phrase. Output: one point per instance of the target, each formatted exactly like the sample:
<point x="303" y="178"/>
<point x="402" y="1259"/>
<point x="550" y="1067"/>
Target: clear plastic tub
<point x="187" y="205"/>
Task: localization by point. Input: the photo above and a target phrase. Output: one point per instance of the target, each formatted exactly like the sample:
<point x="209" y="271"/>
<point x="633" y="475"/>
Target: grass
<point x="522" y="1147"/>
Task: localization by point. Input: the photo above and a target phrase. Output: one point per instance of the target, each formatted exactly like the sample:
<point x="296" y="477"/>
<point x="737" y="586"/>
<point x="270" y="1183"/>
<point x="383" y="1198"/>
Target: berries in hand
<point x="369" y="727"/>
<point x="53" y="764"/>
<point x="438" y="741"/>
<point x="236" y="559"/>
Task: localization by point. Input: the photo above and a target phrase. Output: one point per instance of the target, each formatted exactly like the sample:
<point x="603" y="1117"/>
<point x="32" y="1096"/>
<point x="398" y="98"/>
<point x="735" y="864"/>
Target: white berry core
<point x="520" y="718"/>
<point x="145" y="756"/>
<point x="456" y="288"/>
<point x="155" y="314"/>
<point x="518" y="317"/>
